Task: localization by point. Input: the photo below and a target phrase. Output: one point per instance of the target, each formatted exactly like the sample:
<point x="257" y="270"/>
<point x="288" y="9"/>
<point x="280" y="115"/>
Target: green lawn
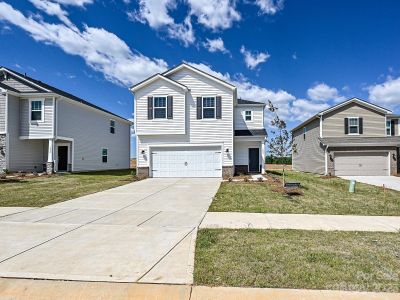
<point x="320" y="196"/>
<point x="42" y="191"/>
<point x="358" y="261"/>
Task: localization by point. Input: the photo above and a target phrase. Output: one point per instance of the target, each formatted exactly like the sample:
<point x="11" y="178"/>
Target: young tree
<point x="279" y="140"/>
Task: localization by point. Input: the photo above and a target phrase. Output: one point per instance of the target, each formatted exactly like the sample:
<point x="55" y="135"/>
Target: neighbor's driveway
<point x="140" y="232"/>
<point x="391" y="182"/>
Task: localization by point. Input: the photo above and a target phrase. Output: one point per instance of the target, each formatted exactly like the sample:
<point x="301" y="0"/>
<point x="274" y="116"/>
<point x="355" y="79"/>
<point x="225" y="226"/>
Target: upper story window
<point x="388" y="127"/>
<point x="104" y="155"/>
<point x="248" y="116"/>
<point x="112" y="126"/>
<point x="208" y="107"/>
<point x="304" y="132"/>
<point x="160" y="107"/>
<point x="354" y="126"/>
<point x="36" y="110"/>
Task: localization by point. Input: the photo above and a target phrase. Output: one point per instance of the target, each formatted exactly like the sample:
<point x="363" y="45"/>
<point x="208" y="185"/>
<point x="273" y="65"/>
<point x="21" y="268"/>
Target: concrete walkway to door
<point x="140" y="232"/>
<point x="390" y="182"/>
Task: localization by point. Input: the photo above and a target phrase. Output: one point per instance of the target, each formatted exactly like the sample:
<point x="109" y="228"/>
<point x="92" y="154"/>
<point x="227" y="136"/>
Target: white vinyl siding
<point x="17" y="84"/>
<point x="36" y="129"/>
<point x="2" y="113"/>
<point x="144" y="126"/>
<point x="90" y="131"/>
<point x="256" y="122"/>
<point x="242" y="151"/>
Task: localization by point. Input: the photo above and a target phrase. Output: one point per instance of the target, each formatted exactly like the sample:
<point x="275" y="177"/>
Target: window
<point x="353" y="126"/>
<point x="160" y="107"/>
<point x="248" y="115"/>
<point x="104" y="155"/>
<point x="112" y="126"/>
<point x="208" y="107"/>
<point x="388" y="127"/>
<point x="304" y="132"/>
<point x="36" y="110"/>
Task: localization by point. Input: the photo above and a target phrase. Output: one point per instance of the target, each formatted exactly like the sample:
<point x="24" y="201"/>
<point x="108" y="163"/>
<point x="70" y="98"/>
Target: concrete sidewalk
<point x="390" y="182"/>
<point x="236" y="220"/>
<point x="23" y="289"/>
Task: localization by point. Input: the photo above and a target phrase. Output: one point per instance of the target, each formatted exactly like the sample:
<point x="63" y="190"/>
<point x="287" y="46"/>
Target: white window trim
<point x="390" y="127"/>
<point x="251" y="115"/>
<point x="104" y="148"/>
<point x="30" y="110"/>
<point x="112" y="120"/>
<point x="215" y="107"/>
<point x="154" y="107"/>
<point x="358" y="125"/>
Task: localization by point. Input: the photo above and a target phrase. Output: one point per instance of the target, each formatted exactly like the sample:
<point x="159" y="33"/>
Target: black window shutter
<point x="150" y="108"/>
<point x="199" y="108"/>
<point x="392" y="126"/>
<point x="346" y="125"/>
<point x="360" y="126"/>
<point x="218" y="112"/>
<point x="170" y="107"/>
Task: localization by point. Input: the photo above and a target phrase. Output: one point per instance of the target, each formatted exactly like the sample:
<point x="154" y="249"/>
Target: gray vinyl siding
<point x="35" y="129"/>
<point x="203" y="131"/>
<point x="90" y="130"/>
<point x="2" y="113"/>
<point x="257" y="121"/>
<point x="23" y="155"/>
<point x="373" y="122"/>
<point x="160" y="126"/>
<point x="310" y="155"/>
<point x="19" y="85"/>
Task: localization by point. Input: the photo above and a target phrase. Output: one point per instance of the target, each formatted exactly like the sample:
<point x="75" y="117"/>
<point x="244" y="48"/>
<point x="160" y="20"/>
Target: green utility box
<point x="352" y="186"/>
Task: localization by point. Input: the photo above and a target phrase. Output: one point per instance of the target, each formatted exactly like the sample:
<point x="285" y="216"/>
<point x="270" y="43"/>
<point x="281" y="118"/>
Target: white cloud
<point x="270" y="7"/>
<point x="183" y="32"/>
<point x="252" y="60"/>
<point x="103" y="51"/>
<point x="304" y="109"/>
<point x="323" y="92"/>
<point x="52" y="9"/>
<point x="74" y="2"/>
<point x="215" y="14"/>
<point x="386" y="93"/>
<point x="215" y="45"/>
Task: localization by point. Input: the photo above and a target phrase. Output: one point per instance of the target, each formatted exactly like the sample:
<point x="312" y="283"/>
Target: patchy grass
<point x="319" y="196"/>
<point x="357" y="261"/>
<point x="42" y="191"/>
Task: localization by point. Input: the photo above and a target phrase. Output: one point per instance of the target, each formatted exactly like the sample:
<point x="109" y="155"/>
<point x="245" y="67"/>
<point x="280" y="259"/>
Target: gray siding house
<point x="45" y="129"/>
<point x="352" y="138"/>
<point x="191" y="124"/>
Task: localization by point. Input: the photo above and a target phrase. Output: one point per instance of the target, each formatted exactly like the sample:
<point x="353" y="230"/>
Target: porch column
<point x="263" y="157"/>
<point x="50" y="157"/>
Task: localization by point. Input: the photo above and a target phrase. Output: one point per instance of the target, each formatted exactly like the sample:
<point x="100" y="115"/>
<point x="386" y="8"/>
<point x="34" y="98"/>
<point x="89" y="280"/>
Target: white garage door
<point x="362" y="164"/>
<point x="186" y="162"/>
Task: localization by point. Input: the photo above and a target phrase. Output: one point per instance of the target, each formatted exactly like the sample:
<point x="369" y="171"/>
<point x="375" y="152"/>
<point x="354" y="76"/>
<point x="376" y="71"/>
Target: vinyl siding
<point x="242" y="151"/>
<point x="257" y="121"/>
<point x="373" y="122"/>
<point x="23" y="155"/>
<point x="90" y="130"/>
<point x="19" y="85"/>
<point x="204" y="131"/>
<point x="36" y="129"/>
<point x="310" y="155"/>
<point x="160" y="126"/>
<point x="3" y="113"/>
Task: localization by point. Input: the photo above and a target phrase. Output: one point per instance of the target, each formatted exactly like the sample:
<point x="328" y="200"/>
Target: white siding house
<point x="45" y="129"/>
<point x="185" y="126"/>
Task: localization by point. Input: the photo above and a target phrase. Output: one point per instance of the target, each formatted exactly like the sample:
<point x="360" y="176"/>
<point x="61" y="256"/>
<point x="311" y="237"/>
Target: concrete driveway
<point x="391" y="182"/>
<point x="140" y="232"/>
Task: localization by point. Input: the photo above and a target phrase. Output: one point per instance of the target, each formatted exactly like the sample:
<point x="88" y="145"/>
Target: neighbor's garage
<point x="186" y="162"/>
<point x="362" y="164"/>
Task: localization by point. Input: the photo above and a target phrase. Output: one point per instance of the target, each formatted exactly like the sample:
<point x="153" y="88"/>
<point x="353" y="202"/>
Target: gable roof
<point x="198" y="71"/>
<point x="154" y="78"/>
<point x="249" y="102"/>
<point x="344" y="103"/>
<point x="50" y="89"/>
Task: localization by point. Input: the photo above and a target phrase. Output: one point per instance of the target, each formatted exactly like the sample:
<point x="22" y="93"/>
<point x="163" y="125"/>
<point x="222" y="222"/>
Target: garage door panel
<point x="187" y="162"/>
<point x="362" y="164"/>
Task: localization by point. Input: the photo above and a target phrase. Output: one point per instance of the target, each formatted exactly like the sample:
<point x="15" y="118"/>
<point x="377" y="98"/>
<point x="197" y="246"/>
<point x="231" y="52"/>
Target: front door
<point x="254" y="160"/>
<point x="62" y="158"/>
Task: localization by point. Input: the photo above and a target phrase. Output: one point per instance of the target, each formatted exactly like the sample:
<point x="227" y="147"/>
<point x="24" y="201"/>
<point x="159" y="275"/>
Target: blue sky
<point x="302" y="55"/>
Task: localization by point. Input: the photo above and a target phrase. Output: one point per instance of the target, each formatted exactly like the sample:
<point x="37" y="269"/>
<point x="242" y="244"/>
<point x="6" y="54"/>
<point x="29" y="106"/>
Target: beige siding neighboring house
<point x="47" y="129"/>
<point x="352" y="138"/>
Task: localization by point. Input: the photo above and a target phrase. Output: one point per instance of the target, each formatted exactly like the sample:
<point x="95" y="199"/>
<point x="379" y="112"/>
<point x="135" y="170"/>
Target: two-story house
<point x="45" y="129"/>
<point x="352" y="138"/>
<point x="190" y="124"/>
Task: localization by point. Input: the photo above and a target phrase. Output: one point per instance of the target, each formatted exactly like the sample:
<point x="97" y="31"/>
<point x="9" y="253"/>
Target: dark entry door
<point x="254" y="160"/>
<point x="62" y="158"/>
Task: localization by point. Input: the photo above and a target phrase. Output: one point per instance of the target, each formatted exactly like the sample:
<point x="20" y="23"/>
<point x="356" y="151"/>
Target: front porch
<point x="249" y="154"/>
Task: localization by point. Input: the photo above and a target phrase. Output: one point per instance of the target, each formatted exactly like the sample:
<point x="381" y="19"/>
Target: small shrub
<point x="230" y="179"/>
<point x="246" y="179"/>
<point x="260" y="179"/>
<point x="6" y="171"/>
